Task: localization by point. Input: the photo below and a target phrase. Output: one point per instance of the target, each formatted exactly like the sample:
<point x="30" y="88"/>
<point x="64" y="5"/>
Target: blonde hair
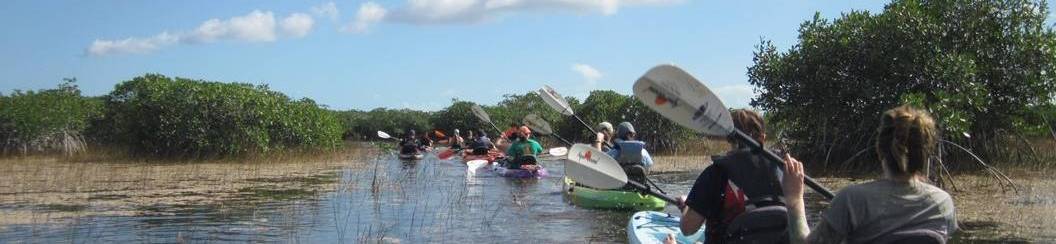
<point x="905" y="140"/>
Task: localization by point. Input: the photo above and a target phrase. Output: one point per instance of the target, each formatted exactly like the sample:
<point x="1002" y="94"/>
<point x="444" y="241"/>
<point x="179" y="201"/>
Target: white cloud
<point x="473" y="11"/>
<point x="369" y="14"/>
<point x="131" y="45"/>
<point x="297" y="25"/>
<point x="589" y="73"/>
<point x="256" y="26"/>
<point x="328" y="10"/>
<point x="735" y="96"/>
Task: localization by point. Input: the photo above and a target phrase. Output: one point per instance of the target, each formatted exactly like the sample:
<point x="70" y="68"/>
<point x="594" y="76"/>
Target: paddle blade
<point x="558" y="151"/>
<point x="592" y="167"/>
<point x="678" y="96"/>
<point x="537" y="124"/>
<point x="556" y="101"/>
<point x="476" y="166"/>
<point x="446" y="154"/>
<point x="479" y="112"/>
<point x="384" y="135"/>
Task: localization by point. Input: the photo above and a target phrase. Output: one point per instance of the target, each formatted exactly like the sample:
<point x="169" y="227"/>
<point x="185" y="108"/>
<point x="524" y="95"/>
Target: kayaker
<point x="455" y="141"/>
<point x="900" y="204"/>
<point x="603" y="136"/>
<point x="482" y="144"/>
<point x="425" y="143"/>
<point x="524" y="151"/>
<point x="631" y="153"/>
<point x="409" y="144"/>
<point x="734" y="182"/>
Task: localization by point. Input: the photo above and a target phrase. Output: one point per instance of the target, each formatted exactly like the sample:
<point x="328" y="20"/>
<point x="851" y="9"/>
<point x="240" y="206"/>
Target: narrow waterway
<point x="369" y="196"/>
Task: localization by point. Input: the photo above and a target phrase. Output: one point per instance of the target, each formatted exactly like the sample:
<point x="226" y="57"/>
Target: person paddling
<point x="409" y="144"/>
<point x="604" y="136"/>
<point x="735" y="182"/>
<point x="900" y="204"/>
<point x="482" y="144"/>
<point x="426" y="142"/>
<point x="524" y="151"/>
<point x="631" y="153"/>
<point x="455" y="141"/>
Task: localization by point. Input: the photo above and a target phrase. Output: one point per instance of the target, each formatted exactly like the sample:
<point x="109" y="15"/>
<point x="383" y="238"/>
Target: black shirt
<point x="759" y="178"/>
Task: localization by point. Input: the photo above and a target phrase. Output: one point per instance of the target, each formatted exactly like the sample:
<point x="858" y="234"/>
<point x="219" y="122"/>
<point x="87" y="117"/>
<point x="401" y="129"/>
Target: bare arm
<point x="691" y="222"/>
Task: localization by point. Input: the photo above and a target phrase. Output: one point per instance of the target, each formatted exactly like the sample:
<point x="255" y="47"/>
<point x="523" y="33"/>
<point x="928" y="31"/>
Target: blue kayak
<point x="653" y="227"/>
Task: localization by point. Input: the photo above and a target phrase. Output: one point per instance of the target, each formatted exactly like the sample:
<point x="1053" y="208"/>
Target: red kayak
<point x="490" y="157"/>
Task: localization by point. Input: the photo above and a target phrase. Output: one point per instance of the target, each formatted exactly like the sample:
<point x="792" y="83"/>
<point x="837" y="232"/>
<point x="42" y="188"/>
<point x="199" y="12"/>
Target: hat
<point x="456" y="131"/>
<point x="605" y="126"/>
<point x="623" y="129"/>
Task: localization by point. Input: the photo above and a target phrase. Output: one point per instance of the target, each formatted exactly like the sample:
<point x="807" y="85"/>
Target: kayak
<point x="588" y="197"/>
<point x="490" y="157"/>
<point x="415" y="156"/>
<point x="653" y="227"/>
<point x="479" y="166"/>
<point x="518" y="173"/>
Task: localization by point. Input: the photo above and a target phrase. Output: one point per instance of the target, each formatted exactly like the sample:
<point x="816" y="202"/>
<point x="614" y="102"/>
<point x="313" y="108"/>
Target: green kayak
<point x="587" y="197"/>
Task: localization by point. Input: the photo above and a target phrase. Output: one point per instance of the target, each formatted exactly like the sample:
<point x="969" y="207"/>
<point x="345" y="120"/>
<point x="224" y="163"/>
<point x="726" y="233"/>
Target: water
<point x="367" y="197"/>
<point x="385" y="200"/>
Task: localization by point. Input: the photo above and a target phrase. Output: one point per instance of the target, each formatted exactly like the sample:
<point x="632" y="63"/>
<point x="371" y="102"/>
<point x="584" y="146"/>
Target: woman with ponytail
<point x="899" y="207"/>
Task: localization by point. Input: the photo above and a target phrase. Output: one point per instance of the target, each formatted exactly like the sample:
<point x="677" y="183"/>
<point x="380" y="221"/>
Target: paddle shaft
<point x="561" y="139"/>
<point x="652" y="191"/>
<point x="744" y="138"/>
<point x="584" y="123"/>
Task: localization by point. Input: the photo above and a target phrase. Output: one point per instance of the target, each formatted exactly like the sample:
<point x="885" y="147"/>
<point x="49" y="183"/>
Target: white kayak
<point x="653" y="227"/>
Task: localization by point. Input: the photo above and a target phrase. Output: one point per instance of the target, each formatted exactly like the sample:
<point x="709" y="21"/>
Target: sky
<point x="415" y="54"/>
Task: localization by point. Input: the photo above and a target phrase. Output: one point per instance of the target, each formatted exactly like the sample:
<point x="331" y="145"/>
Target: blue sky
<point x="397" y="53"/>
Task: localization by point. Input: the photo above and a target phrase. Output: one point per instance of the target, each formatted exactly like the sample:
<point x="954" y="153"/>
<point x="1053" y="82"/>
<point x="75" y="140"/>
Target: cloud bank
<point x="438" y="12"/>
<point x="256" y="26"/>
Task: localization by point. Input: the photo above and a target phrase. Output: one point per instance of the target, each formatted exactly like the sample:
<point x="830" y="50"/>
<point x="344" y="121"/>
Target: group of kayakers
<point x="742" y="187"/>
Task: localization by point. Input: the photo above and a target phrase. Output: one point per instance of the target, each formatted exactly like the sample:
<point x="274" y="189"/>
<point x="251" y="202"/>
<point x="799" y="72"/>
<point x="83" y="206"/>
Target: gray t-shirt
<point x="864" y="212"/>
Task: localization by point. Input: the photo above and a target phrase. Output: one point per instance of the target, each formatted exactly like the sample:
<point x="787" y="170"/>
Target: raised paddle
<point x="539" y="125"/>
<point x="483" y="116"/>
<point x="678" y="96"/>
<point x="383" y="135"/>
<point x="557" y="102"/>
<point x="592" y="167"/>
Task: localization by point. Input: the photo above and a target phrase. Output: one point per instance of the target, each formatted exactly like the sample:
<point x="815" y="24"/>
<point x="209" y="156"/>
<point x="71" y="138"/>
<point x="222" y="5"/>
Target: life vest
<point x="630" y="152"/>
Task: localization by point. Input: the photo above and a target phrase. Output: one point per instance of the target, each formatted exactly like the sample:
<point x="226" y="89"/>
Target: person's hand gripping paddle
<point x="678" y="96"/>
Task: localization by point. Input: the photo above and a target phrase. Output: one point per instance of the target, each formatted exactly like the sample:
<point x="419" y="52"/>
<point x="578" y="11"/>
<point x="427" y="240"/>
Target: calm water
<point x="390" y="201"/>
<point x="367" y="199"/>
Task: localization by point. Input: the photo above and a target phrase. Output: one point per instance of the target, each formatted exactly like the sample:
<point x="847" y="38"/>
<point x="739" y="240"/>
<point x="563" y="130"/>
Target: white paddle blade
<point x="675" y="94"/>
<point x="558" y="151"/>
<point x="592" y="167"/>
<point x="475" y="166"/>
<point x="479" y="112"/>
<point x="383" y="135"/>
<point x="556" y="101"/>
<point x="537" y="124"/>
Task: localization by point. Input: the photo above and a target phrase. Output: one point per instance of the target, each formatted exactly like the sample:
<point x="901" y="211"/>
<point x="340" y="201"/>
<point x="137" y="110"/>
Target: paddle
<point x="592" y="167"/>
<point x="483" y="116"/>
<point x="539" y="125"/>
<point x="557" y="102"/>
<point x="675" y="94"/>
<point x="383" y="135"/>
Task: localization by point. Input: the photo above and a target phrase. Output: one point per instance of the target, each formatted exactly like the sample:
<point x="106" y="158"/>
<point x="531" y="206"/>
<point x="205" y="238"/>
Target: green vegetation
<point x="158" y="115"/>
<point x="52" y="120"/>
<point x="984" y="68"/>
